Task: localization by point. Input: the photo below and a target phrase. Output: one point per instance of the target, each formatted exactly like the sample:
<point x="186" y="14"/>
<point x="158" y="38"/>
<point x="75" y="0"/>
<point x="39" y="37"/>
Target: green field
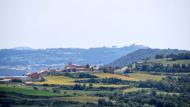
<point x="27" y="91"/>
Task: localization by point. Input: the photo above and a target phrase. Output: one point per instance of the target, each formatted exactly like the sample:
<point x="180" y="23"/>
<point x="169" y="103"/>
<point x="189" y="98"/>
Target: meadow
<point x="27" y="91"/>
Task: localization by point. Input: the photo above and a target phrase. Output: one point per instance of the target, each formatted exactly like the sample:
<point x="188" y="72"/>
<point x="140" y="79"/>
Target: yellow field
<point x="58" y="80"/>
<point x="145" y="76"/>
<point x="131" y="90"/>
<point x="138" y="76"/>
<point x="63" y="80"/>
<point x="109" y="75"/>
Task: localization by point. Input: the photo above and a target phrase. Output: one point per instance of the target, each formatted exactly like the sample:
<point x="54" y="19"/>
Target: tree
<point x="101" y="102"/>
<point x="16" y="80"/>
<point x="159" y="56"/>
<point x="90" y="85"/>
<point x="55" y="90"/>
<point x="78" y="87"/>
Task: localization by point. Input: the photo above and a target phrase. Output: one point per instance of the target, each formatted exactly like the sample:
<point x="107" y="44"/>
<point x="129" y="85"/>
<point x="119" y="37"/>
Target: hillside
<point x="102" y="55"/>
<point x="20" y="60"/>
<point x="142" y="54"/>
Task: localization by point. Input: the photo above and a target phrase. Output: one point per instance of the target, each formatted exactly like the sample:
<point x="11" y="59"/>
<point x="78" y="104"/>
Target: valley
<point x="156" y="80"/>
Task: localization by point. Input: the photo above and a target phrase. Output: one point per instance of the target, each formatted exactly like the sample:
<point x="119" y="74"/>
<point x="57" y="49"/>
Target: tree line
<point x="158" y="67"/>
<point x="179" y="56"/>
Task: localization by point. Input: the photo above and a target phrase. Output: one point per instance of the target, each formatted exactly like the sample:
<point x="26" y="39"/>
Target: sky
<point x="94" y="23"/>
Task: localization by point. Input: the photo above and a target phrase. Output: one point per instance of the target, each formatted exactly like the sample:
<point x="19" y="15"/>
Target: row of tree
<point x="103" y="80"/>
<point x="179" y="56"/>
<point x="158" y="67"/>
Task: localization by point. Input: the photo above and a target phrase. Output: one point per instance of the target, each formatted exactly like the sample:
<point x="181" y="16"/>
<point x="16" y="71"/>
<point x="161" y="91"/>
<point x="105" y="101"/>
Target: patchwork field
<point x="63" y="93"/>
<point x="64" y="80"/>
<point x="138" y="76"/>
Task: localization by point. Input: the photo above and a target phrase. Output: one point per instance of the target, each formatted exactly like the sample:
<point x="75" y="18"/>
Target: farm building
<point x="75" y="68"/>
<point x="5" y="81"/>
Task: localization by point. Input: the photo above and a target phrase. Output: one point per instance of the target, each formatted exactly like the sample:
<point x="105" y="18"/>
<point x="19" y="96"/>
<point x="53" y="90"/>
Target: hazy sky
<point x="94" y="23"/>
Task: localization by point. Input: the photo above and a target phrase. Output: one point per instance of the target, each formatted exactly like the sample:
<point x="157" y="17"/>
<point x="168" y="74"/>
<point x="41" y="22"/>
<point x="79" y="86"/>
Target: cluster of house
<point x="9" y="79"/>
<point x="37" y="76"/>
<point x="67" y="68"/>
<point x="78" y="68"/>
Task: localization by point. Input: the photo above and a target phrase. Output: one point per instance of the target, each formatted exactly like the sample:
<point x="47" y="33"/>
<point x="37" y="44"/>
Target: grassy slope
<point x="142" y="76"/>
<point x="81" y="95"/>
<point x="27" y="91"/>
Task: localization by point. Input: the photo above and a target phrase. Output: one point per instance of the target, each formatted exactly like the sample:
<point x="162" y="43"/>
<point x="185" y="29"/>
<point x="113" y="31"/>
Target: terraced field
<point x="109" y="75"/>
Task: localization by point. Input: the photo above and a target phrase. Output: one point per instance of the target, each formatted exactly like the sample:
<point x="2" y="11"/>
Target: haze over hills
<point x="142" y="54"/>
<point x="100" y="55"/>
<point x="24" y="59"/>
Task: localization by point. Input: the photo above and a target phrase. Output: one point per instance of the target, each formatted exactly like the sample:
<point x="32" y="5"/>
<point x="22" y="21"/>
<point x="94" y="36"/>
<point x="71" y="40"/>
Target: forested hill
<point x="102" y="55"/>
<point x="142" y="54"/>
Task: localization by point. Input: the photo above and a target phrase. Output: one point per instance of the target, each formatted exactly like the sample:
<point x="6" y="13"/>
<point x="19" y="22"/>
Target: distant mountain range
<point x="142" y="54"/>
<point x="26" y="56"/>
<point x="20" y="60"/>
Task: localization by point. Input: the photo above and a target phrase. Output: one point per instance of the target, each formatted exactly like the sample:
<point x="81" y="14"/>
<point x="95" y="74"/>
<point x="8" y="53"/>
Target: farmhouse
<point x="34" y="75"/>
<point x="5" y="81"/>
<point x="75" y="68"/>
<point x="8" y="79"/>
<point x="29" y="83"/>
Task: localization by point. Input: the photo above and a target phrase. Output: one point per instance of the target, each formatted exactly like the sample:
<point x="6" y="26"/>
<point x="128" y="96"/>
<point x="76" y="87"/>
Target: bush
<point x="16" y="80"/>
